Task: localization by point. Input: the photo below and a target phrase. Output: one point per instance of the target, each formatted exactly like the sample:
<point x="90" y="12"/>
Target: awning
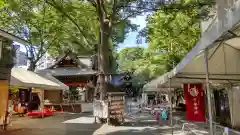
<point x="224" y="65"/>
<point x="68" y="71"/>
<point x="24" y="78"/>
<point x="222" y="39"/>
<point x="53" y="79"/>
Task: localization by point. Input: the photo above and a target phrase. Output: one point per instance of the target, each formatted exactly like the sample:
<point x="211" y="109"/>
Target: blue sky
<point x="130" y="40"/>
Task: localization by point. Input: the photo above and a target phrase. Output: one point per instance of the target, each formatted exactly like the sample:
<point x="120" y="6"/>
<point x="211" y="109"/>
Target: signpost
<point x="112" y="109"/>
<point x="116" y="106"/>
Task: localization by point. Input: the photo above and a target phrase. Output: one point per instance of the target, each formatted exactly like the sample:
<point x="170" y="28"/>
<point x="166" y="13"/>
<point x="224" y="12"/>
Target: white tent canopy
<point x="224" y="63"/>
<point x="53" y="79"/>
<point x="222" y="39"/>
<point x="24" y="78"/>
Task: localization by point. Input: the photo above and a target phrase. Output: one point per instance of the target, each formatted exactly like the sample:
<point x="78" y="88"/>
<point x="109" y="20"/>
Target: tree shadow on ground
<point x="146" y="131"/>
<point x="140" y="128"/>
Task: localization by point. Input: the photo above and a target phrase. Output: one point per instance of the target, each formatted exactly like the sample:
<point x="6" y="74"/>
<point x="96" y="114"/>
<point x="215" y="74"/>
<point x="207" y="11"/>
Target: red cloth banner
<point x="194" y="99"/>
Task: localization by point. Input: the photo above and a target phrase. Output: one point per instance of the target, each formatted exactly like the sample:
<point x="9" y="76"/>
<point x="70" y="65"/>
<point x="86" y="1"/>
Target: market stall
<point x="214" y="59"/>
<point x="36" y="84"/>
<point x="53" y="99"/>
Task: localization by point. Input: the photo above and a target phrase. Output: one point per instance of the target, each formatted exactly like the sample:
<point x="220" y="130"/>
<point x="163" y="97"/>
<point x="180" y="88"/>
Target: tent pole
<point x="208" y="92"/>
<point x="42" y="102"/>
<point x="171" y="106"/>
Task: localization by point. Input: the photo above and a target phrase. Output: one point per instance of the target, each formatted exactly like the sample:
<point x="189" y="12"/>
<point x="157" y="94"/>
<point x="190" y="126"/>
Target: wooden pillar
<point x="3" y="101"/>
<point x="41" y="97"/>
<point x="5" y="67"/>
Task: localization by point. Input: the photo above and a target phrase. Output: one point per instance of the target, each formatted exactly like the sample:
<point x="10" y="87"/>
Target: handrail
<point x="215" y="125"/>
<point x="231" y="131"/>
<point x="189" y="130"/>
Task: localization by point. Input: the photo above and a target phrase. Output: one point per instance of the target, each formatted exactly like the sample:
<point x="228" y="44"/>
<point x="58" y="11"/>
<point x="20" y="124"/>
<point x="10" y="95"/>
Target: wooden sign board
<point x="116" y="105"/>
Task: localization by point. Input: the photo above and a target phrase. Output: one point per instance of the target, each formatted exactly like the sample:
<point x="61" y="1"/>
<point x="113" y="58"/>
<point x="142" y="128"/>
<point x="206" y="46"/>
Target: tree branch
<point x="113" y="14"/>
<point x="41" y="31"/>
<point x="104" y="8"/>
<point x="100" y="12"/>
<point x="146" y="9"/>
<point x="54" y="5"/>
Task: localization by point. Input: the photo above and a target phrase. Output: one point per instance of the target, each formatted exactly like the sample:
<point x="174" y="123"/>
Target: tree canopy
<point x="55" y="26"/>
<point x="97" y="26"/>
<point x="171" y="32"/>
<point x="174" y="29"/>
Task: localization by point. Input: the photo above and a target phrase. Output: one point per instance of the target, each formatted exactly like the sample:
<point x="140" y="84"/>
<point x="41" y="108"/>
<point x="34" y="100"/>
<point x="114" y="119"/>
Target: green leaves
<point x="173" y="30"/>
<point x="2" y="3"/>
<point x="141" y="63"/>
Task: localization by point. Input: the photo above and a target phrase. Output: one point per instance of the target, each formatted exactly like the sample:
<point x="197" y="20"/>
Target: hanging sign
<point x="194" y="99"/>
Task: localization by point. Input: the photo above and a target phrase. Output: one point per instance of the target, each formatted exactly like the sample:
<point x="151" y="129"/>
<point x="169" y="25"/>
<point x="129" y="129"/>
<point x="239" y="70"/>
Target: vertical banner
<point x="194" y="99"/>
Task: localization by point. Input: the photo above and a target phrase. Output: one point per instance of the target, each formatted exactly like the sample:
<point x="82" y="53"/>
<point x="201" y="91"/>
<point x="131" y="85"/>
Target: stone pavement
<point x="77" y="124"/>
<point x="139" y="123"/>
<point x="142" y="128"/>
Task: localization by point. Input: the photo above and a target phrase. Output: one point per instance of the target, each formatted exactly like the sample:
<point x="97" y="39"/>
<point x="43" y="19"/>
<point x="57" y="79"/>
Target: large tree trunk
<point x="104" y="49"/>
<point x="104" y="65"/>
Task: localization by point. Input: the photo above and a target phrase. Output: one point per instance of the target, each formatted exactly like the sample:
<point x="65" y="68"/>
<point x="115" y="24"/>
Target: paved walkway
<point x="139" y="123"/>
<point x="142" y="128"/>
<point x="60" y="124"/>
